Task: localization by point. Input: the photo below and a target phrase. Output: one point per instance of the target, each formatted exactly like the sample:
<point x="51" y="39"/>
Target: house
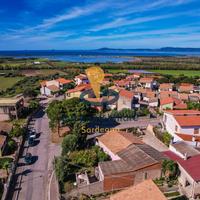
<point x="81" y="79"/>
<point x="186" y="87"/>
<point x="195" y="97"/>
<point x="127" y="99"/>
<point x="101" y="103"/>
<point x="166" y="104"/>
<point x="165" y="94"/>
<point x="132" y="161"/>
<point x="49" y="88"/>
<point x="150" y="99"/>
<point x="77" y="91"/>
<point x="188" y="160"/>
<point x="133" y="77"/>
<point x="183" y="125"/>
<point x="146" y="190"/>
<point x="170" y="103"/>
<point x="183" y="96"/>
<point x="11" y="108"/>
<point x="127" y="84"/>
<point x="166" y="87"/>
<point x="3" y="142"/>
<point x="146" y="82"/>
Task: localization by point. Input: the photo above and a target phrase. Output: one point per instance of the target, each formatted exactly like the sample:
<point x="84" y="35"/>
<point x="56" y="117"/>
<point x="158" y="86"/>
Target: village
<point x="150" y="147"/>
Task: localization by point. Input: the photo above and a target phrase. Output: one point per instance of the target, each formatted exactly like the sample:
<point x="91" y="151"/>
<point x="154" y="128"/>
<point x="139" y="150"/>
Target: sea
<point x="91" y="56"/>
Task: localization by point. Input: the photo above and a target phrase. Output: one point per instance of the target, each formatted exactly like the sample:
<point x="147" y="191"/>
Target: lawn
<point x="116" y="71"/>
<point x="8" y="82"/>
<point x="178" y="72"/>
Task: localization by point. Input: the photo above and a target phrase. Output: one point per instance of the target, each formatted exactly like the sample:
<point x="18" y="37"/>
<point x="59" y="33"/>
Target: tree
<point x="17" y="130"/>
<point x="6" y="165"/>
<point x="55" y="115"/>
<point x="166" y="138"/>
<point x="69" y="143"/>
<point x="29" y="92"/>
<point x="33" y="104"/>
<point x="169" y="168"/>
<point x="61" y="168"/>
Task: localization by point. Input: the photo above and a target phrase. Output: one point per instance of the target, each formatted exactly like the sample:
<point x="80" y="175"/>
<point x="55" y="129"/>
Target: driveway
<point x="32" y="181"/>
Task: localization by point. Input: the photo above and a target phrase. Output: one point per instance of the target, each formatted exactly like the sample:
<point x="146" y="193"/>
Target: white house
<point x="183" y="125"/>
<point x="147" y="82"/>
<point x="49" y="88"/>
<point x="81" y="79"/>
<point x="188" y="160"/>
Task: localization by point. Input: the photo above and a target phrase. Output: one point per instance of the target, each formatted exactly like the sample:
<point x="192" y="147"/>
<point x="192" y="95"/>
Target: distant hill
<point x="164" y="49"/>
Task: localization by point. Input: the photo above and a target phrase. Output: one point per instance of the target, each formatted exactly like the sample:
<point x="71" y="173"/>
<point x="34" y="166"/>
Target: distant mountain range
<point x="164" y="49"/>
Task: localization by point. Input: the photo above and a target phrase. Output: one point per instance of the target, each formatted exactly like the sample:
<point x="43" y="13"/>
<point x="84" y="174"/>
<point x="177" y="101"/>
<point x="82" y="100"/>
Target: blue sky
<point x="91" y="24"/>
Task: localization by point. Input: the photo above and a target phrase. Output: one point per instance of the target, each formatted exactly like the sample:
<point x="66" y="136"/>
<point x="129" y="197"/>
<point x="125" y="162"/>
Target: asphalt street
<point x="32" y="181"/>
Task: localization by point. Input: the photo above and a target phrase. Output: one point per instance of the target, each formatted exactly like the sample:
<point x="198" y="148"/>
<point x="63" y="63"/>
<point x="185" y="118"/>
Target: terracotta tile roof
<point x="183" y="112"/>
<point x="146" y="80"/>
<point x="142" y="90"/>
<point x="63" y="80"/>
<point x="147" y="190"/>
<point x="151" y="94"/>
<point x="53" y="88"/>
<point x="183" y="96"/>
<point x="191" y="165"/>
<point x="79" y="88"/>
<point x="127" y="94"/>
<point x="188" y="120"/>
<point x="186" y="87"/>
<point x="181" y="106"/>
<point x="108" y="75"/>
<point x="165" y="86"/>
<point x="123" y="82"/>
<point x="164" y="94"/>
<point x="168" y="100"/>
<point x="188" y="138"/>
<point x="118" y="140"/>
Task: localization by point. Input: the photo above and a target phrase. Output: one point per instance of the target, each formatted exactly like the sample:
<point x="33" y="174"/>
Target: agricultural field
<point x="8" y="82"/>
<point x="188" y="73"/>
<point x="42" y="72"/>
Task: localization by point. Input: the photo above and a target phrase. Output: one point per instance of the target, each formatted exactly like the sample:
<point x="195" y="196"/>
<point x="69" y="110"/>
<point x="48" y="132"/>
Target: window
<point x="196" y="131"/>
<point x="176" y="128"/>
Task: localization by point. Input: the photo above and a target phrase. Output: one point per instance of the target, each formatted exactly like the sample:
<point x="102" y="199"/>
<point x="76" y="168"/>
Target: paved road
<point x="32" y="181"/>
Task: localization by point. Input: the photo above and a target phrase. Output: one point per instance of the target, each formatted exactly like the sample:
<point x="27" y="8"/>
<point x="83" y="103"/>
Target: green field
<point x="178" y="72"/>
<point x="7" y="82"/>
<point x="116" y="71"/>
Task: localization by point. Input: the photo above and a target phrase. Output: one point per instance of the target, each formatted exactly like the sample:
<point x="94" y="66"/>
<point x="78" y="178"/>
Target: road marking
<point x="49" y="193"/>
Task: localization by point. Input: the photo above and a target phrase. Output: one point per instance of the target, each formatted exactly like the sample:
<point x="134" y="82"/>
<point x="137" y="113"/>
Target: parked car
<point x="30" y="141"/>
<point x="28" y="158"/>
<point x="33" y="135"/>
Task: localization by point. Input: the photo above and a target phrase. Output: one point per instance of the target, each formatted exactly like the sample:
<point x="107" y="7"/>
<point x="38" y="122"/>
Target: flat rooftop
<point x="9" y="101"/>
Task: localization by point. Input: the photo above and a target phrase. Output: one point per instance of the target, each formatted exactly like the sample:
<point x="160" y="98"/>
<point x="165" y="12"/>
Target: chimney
<point x="185" y="156"/>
